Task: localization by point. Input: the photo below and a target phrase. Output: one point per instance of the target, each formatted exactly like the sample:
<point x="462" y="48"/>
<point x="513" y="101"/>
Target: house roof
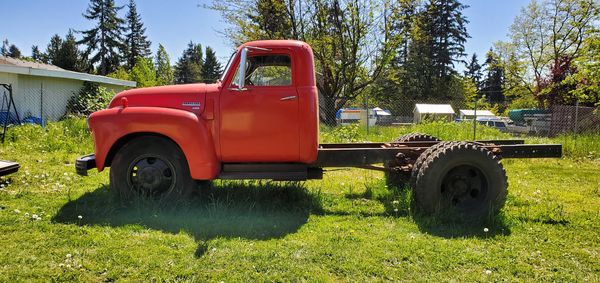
<point x="469" y="112"/>
<point x="16" y="66"/>
<point x="434" y="108"/>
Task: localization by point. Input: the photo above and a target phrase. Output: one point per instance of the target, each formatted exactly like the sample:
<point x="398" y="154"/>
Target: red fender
<point x="187" y="129"/>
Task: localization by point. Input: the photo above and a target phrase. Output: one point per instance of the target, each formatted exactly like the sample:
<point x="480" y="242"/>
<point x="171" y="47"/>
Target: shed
<point x="428" y="112"/>
<point x="43" y="90"/>
<point x="470" y="114"/>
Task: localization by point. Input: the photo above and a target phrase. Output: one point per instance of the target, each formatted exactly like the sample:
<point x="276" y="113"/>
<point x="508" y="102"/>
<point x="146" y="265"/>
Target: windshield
<point x="227" y="66"/>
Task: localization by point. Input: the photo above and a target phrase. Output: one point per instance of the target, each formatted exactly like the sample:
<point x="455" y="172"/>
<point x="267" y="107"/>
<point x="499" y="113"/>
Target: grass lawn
<point x="55" y="225"/>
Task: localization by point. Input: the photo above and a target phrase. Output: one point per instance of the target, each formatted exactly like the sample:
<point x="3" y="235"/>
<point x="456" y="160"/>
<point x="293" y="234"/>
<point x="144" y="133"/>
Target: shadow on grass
<point x="252" y="210"/>
<point x="398" y="202"/>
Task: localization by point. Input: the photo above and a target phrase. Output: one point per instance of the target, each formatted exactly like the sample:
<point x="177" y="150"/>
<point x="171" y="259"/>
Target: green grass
<point x="346" y="227"/>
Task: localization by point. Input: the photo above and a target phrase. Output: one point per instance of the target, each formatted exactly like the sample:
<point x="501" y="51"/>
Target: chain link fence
<point x="553" y="121"/>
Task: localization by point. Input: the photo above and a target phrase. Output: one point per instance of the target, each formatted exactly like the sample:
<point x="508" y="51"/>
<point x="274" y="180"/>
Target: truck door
<point x="259" y="123"/>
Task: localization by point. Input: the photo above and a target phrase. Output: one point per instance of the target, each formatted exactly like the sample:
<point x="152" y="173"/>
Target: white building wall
<point x="44" y="97"/>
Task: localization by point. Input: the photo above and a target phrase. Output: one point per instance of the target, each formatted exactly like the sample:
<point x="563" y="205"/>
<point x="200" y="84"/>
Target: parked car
<point x="493" y="122"/>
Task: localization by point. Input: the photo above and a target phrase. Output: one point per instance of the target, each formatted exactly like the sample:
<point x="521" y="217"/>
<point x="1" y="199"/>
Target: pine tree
<point x="189" y="66"/>
<point x="492" y="85"/>
<point x="14" y="52"/>
<point x="68" y="56"/>
<point x="448" y="27"/>
<point x="36" y="54"/>
<point x="136" y="42"/>
<point x="164" y="71"/>
<point x="53" y="49"/>
<point x="4" y="48"/>
<point x="211" y="69"/>
<point x="104" y="42"/>
<point x="473" y="71"/>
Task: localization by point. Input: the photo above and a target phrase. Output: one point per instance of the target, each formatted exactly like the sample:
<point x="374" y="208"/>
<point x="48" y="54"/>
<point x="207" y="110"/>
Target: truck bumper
<point x="85" y="163"/>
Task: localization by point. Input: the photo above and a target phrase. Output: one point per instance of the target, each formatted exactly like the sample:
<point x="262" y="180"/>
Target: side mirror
<point x="242" y="69"/>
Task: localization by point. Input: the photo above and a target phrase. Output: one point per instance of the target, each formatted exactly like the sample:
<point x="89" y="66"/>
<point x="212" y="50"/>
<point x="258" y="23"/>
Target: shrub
<point x="91" y="97"/>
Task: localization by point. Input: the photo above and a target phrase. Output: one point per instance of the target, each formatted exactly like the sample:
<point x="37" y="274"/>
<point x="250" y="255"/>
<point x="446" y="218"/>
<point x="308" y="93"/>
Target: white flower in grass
<point x="26" y="214"/>
<point x="488" y="272"/>
<point x="395" y="202"/>
<point x="69" y="255"/>
<point x="486" y="230"/>
<point x="17" y="211"/>
<point x="79" y="217"/>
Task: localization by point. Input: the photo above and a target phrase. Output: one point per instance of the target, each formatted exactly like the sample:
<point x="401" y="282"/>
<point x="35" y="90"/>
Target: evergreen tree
<point x="4" y="48"/>
<point x="448" y="27"/>
<point x="104" y="42"/>
<point x="189" y="66"/>
<point x="53" y="49"/>
<point x="164" y="71"/>
<point x="473" y="71"/>
<point x="136" y="42"/>
<point x="494" y="79"/>
<point x="68" y="56"/>
<point x="272" y="19"/>
<point x="36" y="54"/>
<point x="211" y="69"/>
<point x="14" y="52"/>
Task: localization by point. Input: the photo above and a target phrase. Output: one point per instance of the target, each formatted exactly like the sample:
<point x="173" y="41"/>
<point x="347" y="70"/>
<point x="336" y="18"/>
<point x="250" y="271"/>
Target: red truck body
<point x="216" y="123"/>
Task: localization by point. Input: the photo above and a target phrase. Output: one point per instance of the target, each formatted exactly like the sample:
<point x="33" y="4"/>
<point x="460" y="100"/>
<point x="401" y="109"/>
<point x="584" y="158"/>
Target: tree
<point x="14" y="52"/>
<point x="136" y="42"/>
<point x="143" y="72"/>
<point x="189" y="67"/>
<point x="211" y="69"/>
<point x="164" y="71"/>
<point x="104" y="41"/>
<point x="4" y="48"/>
<point x="587" y="77"/>
<point x="36" y="54"/>
<point x="351" y="39"/>
<point x="548" y="32"/>
<point x="473" y="71"/>
<point x="492" y="85"/>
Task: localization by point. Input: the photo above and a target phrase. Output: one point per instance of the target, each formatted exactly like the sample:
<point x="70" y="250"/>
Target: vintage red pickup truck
<point x="260" y="121"/>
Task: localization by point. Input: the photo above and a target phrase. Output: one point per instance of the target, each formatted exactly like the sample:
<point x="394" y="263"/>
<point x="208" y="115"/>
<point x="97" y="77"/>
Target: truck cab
<point x="264" y="109"/>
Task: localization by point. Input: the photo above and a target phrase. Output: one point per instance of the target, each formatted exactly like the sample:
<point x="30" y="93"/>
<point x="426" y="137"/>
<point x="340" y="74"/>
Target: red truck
<point x="260" y="121"/>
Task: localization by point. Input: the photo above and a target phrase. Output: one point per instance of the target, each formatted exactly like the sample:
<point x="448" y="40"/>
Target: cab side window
<point x="268" y="70"/>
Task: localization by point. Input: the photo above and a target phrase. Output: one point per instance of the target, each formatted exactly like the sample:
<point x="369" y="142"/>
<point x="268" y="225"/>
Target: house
<point x="431" y="112"/>
<point x="42" y="90"/>
<point x="468" y="114"/>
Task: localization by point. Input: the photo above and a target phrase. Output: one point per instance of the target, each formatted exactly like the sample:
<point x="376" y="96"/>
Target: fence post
<point x="367" y="109"/>
<point x="576" y="116"/>
<point x="475" y="120"/>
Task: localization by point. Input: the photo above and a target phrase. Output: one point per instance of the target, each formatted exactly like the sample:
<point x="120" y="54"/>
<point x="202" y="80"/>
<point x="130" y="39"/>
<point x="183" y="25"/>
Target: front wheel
<point x="151" y="167"/>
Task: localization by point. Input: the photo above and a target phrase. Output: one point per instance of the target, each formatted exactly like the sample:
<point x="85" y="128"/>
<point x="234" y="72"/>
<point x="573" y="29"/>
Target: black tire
<point x="462" y="180"/>
<point x="150" y="166"/>
<point x="421" y="159"/>
<point x="416" y="137"/>
<point x="396" y="179"/>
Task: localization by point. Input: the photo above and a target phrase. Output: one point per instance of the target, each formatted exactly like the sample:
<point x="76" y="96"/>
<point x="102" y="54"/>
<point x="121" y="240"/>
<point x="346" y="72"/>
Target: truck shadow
<point x="398" y="202"/>
<point x="252" y="210"/>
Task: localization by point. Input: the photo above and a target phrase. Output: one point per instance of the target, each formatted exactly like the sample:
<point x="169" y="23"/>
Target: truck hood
<point x="190" y="97"/>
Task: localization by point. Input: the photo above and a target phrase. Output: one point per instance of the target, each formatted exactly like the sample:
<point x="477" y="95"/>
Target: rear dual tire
<point x="459" y="180"/>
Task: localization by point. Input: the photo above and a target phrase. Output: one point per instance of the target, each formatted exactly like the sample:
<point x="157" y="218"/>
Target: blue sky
<point x="175" y="23"/>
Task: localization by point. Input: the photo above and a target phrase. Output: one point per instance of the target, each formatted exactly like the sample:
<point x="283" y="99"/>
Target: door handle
<point x="292" y="97"/>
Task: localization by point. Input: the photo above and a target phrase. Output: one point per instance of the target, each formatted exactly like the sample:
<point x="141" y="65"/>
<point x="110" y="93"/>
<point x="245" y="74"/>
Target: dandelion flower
<point x="69" y="255"/>
<point x="26" y="214"/>
<point x="395" y="210"/>
<point x="486" y="230"/>
<point x="395" y="202"/>
<point x="488" y="272"/>
<point x="79" y="217"/>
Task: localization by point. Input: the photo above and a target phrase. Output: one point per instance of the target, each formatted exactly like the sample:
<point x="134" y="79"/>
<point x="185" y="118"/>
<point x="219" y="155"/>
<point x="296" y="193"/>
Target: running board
<point x="270" y="171"/>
